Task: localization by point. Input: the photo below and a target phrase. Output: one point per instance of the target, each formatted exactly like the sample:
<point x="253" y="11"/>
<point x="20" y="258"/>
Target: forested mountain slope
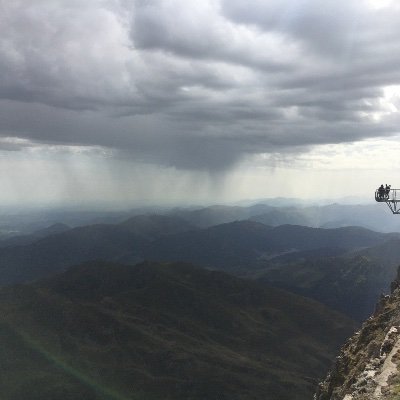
<point x="345" y="268"/>
<point x="161" y="331"/>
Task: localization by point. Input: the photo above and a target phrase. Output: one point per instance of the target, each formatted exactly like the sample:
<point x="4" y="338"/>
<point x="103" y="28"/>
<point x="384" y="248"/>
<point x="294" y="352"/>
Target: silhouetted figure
<point x="381" y="191"/>
<point x="387" y="190"/>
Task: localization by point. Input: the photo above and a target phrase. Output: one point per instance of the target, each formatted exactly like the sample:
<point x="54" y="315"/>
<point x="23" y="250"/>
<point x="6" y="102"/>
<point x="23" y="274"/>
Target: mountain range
<point x="248" y="244"/>
<point x="374" y="216"/>
<point x="166" y="329"/>
<point x="345" y="268"/>
<point x="273" y="212"/>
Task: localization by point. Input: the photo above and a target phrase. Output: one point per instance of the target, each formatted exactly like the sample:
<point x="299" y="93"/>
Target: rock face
<point x="368" y="366"/>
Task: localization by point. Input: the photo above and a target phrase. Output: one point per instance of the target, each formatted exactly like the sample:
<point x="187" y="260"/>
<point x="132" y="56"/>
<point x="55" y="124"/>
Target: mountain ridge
<point x="240" y="244"/>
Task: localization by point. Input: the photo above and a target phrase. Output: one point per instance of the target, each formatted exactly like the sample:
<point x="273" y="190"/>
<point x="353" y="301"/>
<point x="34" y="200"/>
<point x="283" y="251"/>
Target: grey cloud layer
<point x="196" y="85"/>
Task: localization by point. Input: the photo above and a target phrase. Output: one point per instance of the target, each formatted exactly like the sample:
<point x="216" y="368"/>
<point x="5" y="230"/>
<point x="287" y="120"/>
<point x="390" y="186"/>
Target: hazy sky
<point x="197" y="100"/>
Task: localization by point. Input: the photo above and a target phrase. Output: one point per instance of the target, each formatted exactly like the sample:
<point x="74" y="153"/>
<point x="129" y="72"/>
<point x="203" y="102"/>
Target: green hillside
<point x="235" y="247"/>
<point x="161" y="331"/>
<point x="246" y="245"/>
<point x="350" y="283"/>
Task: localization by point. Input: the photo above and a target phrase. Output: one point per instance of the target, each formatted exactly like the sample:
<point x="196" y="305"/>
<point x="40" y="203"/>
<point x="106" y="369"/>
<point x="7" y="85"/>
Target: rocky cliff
<point x="368" y="366"/>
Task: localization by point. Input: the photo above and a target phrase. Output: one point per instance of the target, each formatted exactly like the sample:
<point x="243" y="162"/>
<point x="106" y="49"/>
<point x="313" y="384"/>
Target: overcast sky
<point x="124" y="101"/>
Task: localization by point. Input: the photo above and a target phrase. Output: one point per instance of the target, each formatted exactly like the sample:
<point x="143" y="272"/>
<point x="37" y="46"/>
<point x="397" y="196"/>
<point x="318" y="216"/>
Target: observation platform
<point x="390" y="197"/>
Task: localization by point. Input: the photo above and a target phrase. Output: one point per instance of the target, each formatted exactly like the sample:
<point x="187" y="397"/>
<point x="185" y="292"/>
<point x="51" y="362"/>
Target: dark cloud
<point x="197" y="31"/>
<point x="329" y="27"/>
<point x="197" y="85"/>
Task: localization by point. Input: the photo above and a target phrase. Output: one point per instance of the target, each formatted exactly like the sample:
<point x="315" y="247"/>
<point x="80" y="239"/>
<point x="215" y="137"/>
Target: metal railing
<point x="390" y="197"/>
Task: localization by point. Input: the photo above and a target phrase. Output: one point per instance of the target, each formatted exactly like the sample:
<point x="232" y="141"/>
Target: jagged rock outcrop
<point x="368" y="366"/>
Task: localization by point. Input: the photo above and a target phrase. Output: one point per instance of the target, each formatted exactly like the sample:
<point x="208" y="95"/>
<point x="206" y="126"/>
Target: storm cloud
<point x="197" y="85"/>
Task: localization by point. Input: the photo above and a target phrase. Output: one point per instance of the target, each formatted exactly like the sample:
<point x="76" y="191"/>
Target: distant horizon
<point x="147" y="204"/>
